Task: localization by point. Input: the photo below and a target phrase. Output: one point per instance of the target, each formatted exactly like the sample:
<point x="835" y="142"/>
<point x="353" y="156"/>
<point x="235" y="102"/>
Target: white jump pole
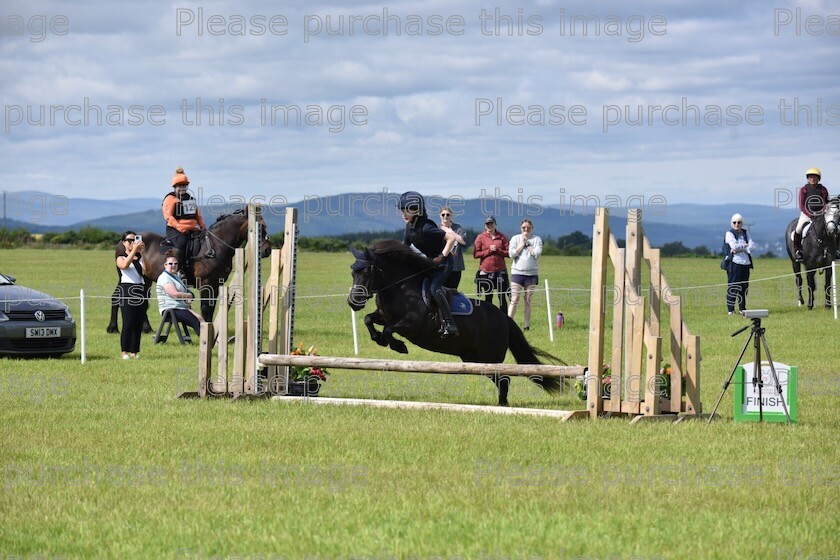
<point x="355" y="333"/>
<point x="82" y="320"/>
<point x="548" y="310"/>
<point x="834" y="287"/>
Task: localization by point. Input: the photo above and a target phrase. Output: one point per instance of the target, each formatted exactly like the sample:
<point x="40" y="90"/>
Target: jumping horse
<point x="819" y="249"/>
<point x="229" y="232"/>
<point x="393" y="273"/>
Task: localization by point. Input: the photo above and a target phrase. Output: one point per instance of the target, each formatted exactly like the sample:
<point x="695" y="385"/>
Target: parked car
<point x="33" y="323"/>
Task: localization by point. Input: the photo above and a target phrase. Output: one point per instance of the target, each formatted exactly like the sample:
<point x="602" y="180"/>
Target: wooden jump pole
<point x="459" y="368"/>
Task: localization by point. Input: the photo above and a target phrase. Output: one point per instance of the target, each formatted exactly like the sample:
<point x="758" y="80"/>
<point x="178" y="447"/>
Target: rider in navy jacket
<point x="436" y="244"/>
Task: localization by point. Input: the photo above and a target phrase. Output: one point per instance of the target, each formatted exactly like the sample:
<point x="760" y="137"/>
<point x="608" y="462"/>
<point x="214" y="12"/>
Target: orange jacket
<point x="171" y="209"/>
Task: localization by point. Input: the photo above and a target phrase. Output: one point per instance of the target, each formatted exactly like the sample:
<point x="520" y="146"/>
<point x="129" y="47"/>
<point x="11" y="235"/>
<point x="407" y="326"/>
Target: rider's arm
<point x="169" y="212"/>
<point x="803" y="207"/>
<point x="199" y="219"/>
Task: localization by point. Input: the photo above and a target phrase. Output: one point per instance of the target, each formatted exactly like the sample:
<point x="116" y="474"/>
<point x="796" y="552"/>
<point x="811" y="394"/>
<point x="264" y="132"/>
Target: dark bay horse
<point x="394" y="273"/>
<point x="819" y="248"/>
<point x="229" y="232"/>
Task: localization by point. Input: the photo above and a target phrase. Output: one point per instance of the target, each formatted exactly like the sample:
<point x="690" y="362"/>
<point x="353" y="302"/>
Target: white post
<point x="355" y="334"/>
<point x="82" y="321"/>
<point x="548" y="310"/>
<point x="834" y="287"/>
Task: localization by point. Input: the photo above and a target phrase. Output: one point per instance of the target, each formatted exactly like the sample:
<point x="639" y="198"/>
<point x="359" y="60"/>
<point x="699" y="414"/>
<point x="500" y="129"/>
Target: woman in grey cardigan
<point x="525" y="250"/>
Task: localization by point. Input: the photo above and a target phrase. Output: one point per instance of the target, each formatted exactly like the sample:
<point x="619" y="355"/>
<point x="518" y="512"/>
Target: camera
<point x="755" y="313"/>
<point x="138" y="238"/>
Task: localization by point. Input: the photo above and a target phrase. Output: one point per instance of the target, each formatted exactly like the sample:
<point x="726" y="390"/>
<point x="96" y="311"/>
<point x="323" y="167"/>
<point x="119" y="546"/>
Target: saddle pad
<point x="459" y="304"/>
<point x="805" y="231"/>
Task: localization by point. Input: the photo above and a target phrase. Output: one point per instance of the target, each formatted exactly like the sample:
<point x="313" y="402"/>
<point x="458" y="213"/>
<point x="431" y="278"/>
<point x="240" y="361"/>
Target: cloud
<point x="419" y="97"/>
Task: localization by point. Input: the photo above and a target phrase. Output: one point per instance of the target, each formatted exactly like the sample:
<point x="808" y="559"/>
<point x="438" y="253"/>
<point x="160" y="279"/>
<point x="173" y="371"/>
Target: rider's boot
<point x="797" y="246"/>
<point x="449" y="326"/>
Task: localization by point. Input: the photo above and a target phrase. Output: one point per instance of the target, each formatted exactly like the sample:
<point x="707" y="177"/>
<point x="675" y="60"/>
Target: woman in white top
<point x="738" y="273"/>
<point x="525" y="250"/>
<point x="132" y="293"/>
<point x="172" y="293"/>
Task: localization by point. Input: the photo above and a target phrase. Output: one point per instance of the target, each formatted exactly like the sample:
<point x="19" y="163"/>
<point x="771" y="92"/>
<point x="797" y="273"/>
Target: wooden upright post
<point x="287" y="291"/>
<point x="600" y="255"/>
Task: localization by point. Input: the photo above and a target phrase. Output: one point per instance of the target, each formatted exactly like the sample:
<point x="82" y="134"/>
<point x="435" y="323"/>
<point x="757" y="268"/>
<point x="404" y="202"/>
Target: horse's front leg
<point x="115" y="309"/>
<point x="372" y="319"/>
<point x="828" y="288"/>
<point x="812" y="288"/>
<point x="798" y="276"/>
<point x="207" y="294"/>
<point x="386" y="337"/>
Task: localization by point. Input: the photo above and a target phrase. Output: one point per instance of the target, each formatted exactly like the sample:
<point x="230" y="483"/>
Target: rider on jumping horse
<point x="813" y="197"/>
<point x="183" y="219"/>
<point x="437" y="245"/>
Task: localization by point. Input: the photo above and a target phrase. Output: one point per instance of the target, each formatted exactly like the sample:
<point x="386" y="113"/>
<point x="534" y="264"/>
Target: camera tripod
<point x="758" y="338"/>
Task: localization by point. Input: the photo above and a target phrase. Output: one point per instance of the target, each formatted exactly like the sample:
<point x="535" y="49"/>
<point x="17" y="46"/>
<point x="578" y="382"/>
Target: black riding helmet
<point x="412" y="200"/>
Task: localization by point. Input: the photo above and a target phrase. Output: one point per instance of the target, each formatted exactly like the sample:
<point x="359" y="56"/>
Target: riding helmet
<point x="412" y="200"/>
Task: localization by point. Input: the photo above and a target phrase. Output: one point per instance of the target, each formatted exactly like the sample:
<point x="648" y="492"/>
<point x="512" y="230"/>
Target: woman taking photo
<point x="132" y="290"/>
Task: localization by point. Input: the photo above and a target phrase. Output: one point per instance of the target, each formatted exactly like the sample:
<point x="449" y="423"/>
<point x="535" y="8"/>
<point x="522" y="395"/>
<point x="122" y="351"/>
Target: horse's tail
<point x="524" y="353"/>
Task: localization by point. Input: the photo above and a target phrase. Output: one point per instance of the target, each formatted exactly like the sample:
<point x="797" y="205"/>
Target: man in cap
<point x="813" y="197"/>
<point x="183" y="219"/>
<point x="436" y="244"/>
<point x="491" y="246"/>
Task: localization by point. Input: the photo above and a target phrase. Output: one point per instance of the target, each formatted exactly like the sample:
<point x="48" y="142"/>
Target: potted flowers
<point x="305" y="380"/>
<point x="606" y="384"/>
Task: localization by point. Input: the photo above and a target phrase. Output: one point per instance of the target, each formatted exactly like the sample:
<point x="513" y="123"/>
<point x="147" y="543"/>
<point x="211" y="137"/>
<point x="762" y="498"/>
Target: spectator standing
<point x="491" y="247"/>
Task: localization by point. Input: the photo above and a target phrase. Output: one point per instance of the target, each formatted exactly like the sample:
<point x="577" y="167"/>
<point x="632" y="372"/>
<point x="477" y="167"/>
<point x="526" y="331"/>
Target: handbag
<point x="727" y="257"/>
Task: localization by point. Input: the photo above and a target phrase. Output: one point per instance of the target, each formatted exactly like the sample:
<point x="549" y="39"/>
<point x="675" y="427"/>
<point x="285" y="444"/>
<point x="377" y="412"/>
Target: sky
<point x="708" y="102"/>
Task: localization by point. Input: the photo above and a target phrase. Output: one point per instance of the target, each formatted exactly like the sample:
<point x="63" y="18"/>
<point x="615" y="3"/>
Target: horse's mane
<point x="396" y="250"/>
<point x="237" y="212"/>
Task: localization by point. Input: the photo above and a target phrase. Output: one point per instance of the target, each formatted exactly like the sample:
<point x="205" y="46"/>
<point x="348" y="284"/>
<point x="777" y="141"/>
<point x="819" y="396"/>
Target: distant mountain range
<point x="691" y="224"/>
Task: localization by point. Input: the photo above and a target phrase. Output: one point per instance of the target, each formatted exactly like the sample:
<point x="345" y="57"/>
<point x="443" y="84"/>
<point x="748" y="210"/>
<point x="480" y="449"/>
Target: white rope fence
<point x="83" y="297"/>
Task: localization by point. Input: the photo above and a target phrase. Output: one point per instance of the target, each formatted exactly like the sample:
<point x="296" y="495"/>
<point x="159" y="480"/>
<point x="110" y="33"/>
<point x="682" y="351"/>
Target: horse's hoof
<point x="399" y="347"/>
<point x="112" y="329"/>
<point x="503" y="403"/>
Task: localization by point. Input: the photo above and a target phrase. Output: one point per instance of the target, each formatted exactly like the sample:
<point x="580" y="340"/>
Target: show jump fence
<point x="635" y="387"/>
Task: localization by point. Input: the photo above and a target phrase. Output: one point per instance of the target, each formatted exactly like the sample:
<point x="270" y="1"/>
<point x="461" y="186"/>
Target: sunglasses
<point x="736" y="223"/>
<point x="131" y="240"/>
<point x="445" y="215"/>
<point x="172" y="264"/>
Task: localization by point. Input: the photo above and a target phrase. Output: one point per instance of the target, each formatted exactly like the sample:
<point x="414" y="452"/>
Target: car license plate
<point x="43" y="332"/>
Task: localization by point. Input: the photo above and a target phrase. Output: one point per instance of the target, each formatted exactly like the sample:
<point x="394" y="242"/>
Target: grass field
<point x="100" y="460"/>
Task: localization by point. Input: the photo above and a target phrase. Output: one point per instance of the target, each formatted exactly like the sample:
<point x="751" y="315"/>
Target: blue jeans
<point x="436" y="278"/>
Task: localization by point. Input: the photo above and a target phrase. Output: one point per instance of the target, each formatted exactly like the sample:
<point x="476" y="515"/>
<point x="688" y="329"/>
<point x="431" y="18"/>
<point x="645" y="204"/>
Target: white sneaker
<point x="125" y="356"/>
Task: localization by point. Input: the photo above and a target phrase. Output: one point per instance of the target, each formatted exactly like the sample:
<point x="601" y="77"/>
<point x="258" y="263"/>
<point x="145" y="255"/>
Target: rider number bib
<point x="188" y="207"/>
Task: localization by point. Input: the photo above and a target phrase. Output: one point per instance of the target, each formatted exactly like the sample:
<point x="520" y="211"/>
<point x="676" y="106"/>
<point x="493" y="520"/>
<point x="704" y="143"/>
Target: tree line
<point x="573" y="244"/>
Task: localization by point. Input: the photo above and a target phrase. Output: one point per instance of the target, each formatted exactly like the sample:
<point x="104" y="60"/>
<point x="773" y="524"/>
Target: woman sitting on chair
<point x="173" y="294"/>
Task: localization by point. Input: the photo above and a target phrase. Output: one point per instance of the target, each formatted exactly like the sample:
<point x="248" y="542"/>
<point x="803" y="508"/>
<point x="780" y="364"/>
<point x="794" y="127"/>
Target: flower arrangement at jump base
<point x="305" y="380"/>
<point x="606" y="384"/>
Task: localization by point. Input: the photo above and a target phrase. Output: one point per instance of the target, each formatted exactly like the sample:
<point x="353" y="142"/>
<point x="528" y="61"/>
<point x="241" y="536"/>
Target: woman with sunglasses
<point x="738" y="273"/>
<point x="132" y="291"/>
<point x="173" y="294"/>
<point x="446" y="224"/>
<point x="525" y="248"/>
